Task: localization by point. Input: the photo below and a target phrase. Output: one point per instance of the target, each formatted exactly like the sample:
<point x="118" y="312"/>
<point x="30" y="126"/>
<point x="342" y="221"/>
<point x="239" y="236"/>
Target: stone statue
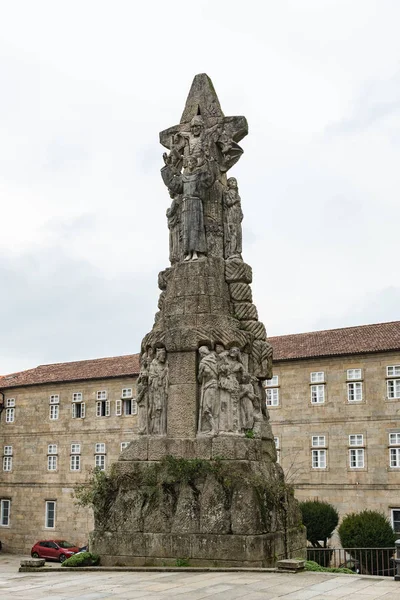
<point x="195" y="144"/>
<point x="158" y="393"/>
<point x="247" y="401"/>
<point x="231" y="370"/>
<point x="193" y="184"/>
<point x="174" y="221"/>
<point x="209" y="399"/>
<point x="233" y="220"/>
<point x="142" y="397"/>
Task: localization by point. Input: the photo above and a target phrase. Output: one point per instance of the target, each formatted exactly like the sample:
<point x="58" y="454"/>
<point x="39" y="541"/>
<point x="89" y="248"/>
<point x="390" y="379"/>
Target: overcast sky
<point x="86" y="86"/>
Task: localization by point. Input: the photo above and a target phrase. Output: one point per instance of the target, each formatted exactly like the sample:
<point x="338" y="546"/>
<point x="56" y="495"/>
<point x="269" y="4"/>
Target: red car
<point x="55" y="549"/>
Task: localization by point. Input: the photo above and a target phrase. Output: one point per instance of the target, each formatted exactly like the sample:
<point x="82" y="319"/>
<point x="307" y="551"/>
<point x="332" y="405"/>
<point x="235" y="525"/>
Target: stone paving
<point x="112" y="585"/>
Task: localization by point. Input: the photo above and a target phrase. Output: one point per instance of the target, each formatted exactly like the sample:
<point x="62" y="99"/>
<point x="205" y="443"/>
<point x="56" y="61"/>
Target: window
<point x="317" y="376"/>
<point x="75" y="463"/>
<point x="10" y="410"/>
<point x="8" y="451"/>
<point x="393" y="388"/>
<point x="394" y="439"/>
<point x="100" y="448"/>
<point x="78" y="410"/>
<point x="100" y="461"/>
<point x="77" y="397"/>
<point x="272" y="382"/>
<point x="54" y="399"/>
<point x="353" y="373"/>
<point x="126" y="393"/>
<point x="130" y="407"/>
<point x="278" y="449"/>
<point x="396" y="519"/>
<point x="318" y="440"/>
<point x="54" y="412"/>
<point x="394" y="453"/>
<point x="319" y="459"/>
<point x="317" y="394"/>
<point x="52" y="463"/>
<point x="272" y="396"/>
<point x="103" y="408"/>
<point x="393" y="371"/>
<point x="50" y="519"/>
<point x="102" y="395"/>
<point x="354" y="391"/>
<point x="5" y="506"/>
<point x="7" y="458"/>
<point x="356" y="439"/>
<point x="124" y="445"/>
<point x="356" y="458"/>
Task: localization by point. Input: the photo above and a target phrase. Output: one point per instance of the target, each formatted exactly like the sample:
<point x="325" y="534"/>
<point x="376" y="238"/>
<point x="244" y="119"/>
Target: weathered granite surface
<point x="201" y="397"/>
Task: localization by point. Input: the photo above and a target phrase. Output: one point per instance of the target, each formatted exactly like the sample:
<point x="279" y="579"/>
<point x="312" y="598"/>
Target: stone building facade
<point x="58" y="423"/>
<point x="334" y="405"/>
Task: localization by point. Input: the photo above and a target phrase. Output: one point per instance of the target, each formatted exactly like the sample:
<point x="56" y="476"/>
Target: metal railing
<point x="366" y="561"/>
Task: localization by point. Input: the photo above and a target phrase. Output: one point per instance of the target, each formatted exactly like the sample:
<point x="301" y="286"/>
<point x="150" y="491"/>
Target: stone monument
<point x="200" y="480"/>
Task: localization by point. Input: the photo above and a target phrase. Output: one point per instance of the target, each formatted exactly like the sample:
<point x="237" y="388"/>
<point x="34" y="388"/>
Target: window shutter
<point x="73" y="411"/>
<point x="107" y="408"/>
<point x="134" y="407"/>
<point x="98" y="409"/>
<point x="118" y="407"/>
<point x="82" y="410"/>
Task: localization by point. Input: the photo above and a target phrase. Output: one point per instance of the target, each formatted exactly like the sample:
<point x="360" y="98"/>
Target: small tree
<point x="368" y="529"/>
<point x="320" y="519"/>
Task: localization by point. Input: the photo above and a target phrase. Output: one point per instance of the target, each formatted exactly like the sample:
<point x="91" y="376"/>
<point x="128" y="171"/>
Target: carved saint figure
<point x="231" y="370"/>
<point x="195" y="140"/>
<point x="233" y="220"/>
<point x="209" y="400"/>
<point x="143" y="394"/>
<point x="158" y="393"/>
<point x="193" y="184"/>
<point x="247" y="402"/>
<point x="174" y="220"/>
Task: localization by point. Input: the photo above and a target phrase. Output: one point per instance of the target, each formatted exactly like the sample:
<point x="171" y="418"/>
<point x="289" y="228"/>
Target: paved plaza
<point x="123" y="585"/>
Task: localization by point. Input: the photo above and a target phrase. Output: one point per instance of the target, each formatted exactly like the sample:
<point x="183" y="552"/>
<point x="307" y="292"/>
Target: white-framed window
<point x="10" y="415"/>
<point x="103" y="408"/>
<point x="52" y="463"/>
<point x="272" y="396"/>
<point x="52" y="449"/>
<point x="394" y="439"/>
<point x="50" y="514"/>
<point x="317" y="394"/>
<point x="394" y="458"/>
<point x="356" y="458"/>
<point x="75" y="448"/>
<point x="100" y="461"/>
<point x="274" y="381"/>
<point x="129" y="407"/>
<point x="317" y="376"/>
<point x="355" y="391"/>
<point x="55" y="399"/>
<point x="101" y="395"/>
<point x="393" y="371"/>
<point x="77" y="397"/>
<point x="356" y="439"/>
<point x="100" y="448"/>
<point x="124" y="445"/>
<point x="318" y="459"/>
<point x="278" y="449"/>
<point x="10" y="403"/>
<point x="7" y="463"/>
<point x="126" y="393"/>
<point x="393" y="388"/>
<point x="354" y="374"/>
<point x="8" y="450"/>
<point x="75" y="463"/>
<point x="54" y="412"/>
<point x="78" y="410"/>
<point x="395" y="514"/>
<point x="318" y="440"/>
<point x="5" y="509"/>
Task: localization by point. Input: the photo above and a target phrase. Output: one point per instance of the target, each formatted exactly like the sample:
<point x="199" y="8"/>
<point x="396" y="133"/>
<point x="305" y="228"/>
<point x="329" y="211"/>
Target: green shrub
<point x="313" y="566"/>
<point x="320" y="519"/>
<point x="368" y="529"/>
<point x="182" y="562"/>
<point x="82" y="559"/>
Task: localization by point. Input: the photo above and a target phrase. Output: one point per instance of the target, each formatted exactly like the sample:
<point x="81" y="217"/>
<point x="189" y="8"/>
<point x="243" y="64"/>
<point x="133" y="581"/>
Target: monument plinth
<point x="200" y="479"/>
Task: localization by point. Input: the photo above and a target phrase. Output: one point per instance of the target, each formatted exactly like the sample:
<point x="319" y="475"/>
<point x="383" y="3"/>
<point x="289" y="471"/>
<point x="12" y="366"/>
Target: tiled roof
<point x="335" y="342"/>
<point x="99" y="368"/>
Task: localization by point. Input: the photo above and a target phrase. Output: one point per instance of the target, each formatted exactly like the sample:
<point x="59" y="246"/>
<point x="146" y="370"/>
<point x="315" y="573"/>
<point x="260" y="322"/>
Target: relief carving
<point x="158" y="393"/>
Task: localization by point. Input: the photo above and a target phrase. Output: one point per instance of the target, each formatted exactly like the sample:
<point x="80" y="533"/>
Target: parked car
<point x="54" y="549"/>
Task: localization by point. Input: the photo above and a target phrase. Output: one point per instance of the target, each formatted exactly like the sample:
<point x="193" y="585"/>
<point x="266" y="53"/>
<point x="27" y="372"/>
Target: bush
<point x="368" y="529"/>
<point x="313" y="566"/>
<point x="82" y="559"/>
<point x="320" y="518"/>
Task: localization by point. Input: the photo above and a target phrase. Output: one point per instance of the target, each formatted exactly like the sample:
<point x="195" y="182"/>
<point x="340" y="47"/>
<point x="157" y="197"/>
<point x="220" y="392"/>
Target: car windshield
<point x="64" y="544"/>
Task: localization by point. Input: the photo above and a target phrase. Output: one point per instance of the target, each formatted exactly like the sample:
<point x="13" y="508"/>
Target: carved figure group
<point x="229" y="402"/>
<point x="152" y="393"/>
